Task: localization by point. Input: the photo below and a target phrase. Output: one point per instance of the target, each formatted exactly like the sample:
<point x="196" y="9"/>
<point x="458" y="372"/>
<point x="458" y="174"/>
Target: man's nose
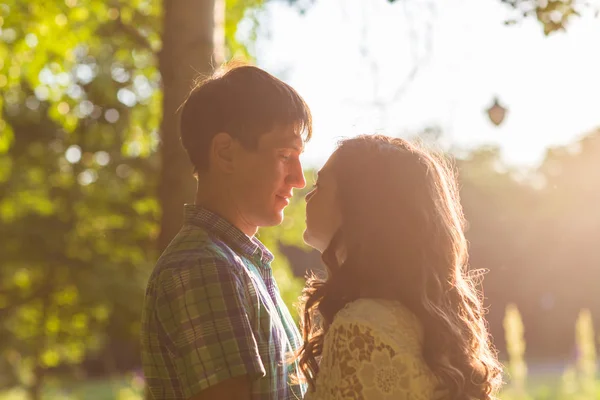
<point x="295" y="177"/>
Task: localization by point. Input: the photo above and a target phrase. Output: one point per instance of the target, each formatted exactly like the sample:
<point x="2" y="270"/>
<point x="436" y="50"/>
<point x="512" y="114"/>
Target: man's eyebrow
<point x="299" y="149"/>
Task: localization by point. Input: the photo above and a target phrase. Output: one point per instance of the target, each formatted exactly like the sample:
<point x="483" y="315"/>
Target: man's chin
<point x="274" y="219"/>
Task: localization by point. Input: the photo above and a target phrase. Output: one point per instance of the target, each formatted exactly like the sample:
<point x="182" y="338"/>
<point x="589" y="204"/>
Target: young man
<point x="214" y="325"/>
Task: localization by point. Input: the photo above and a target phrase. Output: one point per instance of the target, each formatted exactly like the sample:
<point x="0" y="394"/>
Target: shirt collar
<point x="232" y="236"/>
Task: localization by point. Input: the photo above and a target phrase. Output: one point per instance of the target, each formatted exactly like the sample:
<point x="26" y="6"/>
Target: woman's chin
<point x="309" y="240"/>
<point x="306" y="237"/>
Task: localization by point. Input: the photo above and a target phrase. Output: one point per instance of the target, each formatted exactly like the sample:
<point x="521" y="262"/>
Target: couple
<point x="398" y="316"/>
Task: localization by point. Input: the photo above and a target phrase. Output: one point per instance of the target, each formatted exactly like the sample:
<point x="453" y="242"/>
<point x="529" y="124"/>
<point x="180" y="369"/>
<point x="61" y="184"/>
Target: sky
<point x="347" y="56"/>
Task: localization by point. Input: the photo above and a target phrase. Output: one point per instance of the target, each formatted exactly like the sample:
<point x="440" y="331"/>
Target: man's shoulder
<point x="196" y="248"/>
<point x="195" y="244"/>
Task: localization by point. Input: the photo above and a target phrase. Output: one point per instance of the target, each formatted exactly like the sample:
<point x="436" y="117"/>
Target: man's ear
<point x="222" y="152"/>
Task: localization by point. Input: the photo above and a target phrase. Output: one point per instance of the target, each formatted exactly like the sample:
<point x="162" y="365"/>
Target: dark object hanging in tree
<point x="496" y="112"/>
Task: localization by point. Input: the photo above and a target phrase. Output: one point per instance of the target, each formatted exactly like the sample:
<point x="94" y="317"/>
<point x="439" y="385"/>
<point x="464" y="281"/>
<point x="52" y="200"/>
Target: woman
<point x="399" y="316"/>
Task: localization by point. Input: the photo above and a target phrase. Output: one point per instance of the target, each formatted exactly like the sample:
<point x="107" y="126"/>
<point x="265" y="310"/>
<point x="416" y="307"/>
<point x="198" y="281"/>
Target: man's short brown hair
<point x="244" y="102"/>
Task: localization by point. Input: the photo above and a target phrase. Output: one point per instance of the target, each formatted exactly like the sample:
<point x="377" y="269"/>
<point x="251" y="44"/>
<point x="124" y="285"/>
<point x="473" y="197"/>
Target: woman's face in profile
<point x="323" y="217"/>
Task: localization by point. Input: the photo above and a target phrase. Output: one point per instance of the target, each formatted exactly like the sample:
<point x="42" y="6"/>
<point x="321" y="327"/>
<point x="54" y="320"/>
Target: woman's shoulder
<point x="370" y="339"/>
<point x="378" y="311"/>
<point x="387" y="318"/>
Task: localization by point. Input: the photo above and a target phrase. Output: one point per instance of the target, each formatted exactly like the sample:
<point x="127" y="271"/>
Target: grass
<point x="542" y="386"/>
<point x="543" y="381"/>
<point x="123" y="388"/>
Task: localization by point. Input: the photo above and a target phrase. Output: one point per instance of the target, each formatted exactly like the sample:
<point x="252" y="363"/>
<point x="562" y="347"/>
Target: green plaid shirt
<point x="212" y="312"/>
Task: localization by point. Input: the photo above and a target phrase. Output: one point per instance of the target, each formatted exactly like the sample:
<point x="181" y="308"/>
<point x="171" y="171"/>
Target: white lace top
<point x="373" y="351"/>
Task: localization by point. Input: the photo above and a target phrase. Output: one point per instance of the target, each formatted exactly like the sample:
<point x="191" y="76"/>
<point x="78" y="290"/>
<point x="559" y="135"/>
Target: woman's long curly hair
<point x="402" y="236"/>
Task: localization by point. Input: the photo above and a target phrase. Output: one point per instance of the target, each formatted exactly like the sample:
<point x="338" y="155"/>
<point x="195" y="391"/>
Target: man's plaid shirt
<point x="213" y="312"/>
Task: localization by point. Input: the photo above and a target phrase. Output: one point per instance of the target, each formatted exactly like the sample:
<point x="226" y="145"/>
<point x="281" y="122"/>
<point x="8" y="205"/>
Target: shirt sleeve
<point x="204" y="312"/>
<point x="357" y="363"/>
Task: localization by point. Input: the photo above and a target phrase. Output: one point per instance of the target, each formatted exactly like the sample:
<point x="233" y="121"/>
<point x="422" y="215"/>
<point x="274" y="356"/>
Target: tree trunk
<point x="35" y="390"/>
<point x="188" y="49"/>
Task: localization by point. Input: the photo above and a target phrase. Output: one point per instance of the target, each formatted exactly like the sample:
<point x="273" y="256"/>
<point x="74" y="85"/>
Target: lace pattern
<point x="372" y="351"/>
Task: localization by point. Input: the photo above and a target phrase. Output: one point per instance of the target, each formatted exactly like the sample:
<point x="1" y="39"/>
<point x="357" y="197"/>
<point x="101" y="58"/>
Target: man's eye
<point x="285" y="156"/>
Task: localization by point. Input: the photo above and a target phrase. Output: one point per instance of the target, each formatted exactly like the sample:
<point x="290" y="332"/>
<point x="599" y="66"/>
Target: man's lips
<point x="284" y="197"/>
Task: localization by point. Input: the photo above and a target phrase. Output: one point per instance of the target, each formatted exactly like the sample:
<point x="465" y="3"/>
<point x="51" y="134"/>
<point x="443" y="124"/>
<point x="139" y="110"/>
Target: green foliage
<point x="553" y="15"/>
<point x="236" y="11"/>
<point x="78" y="215"/>
<point x="80" y="105"/>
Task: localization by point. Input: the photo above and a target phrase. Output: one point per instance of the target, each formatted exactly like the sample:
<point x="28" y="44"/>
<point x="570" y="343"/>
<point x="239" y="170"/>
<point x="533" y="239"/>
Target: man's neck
<point x="227" y="209"/>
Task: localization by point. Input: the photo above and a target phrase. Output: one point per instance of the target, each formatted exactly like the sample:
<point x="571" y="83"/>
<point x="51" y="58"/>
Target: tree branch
<point x="132" y="33"/>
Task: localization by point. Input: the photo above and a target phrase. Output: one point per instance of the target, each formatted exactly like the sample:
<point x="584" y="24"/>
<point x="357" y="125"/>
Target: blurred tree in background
<point x="537" y="234"/>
